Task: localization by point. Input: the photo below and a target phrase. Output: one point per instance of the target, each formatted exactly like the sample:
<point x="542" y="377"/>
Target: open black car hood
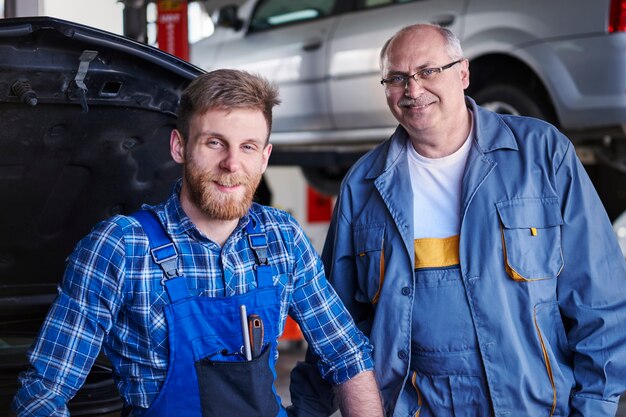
<point x="85" y="118"/>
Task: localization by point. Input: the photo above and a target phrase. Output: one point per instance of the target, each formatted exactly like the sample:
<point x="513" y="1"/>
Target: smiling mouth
<point x="418" y="106"/>
<point x="227" y="186"/>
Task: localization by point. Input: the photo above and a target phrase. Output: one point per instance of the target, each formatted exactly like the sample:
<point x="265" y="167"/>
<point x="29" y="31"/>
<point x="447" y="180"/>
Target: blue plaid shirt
<point x="111" y="297"/>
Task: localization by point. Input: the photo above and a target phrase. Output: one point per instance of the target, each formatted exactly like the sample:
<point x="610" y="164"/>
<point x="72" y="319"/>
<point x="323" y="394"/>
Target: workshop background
<point x="289" y="189"/>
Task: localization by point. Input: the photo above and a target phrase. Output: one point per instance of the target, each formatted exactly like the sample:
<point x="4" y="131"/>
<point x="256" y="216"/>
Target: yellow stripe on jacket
<point x="436" y="252"/>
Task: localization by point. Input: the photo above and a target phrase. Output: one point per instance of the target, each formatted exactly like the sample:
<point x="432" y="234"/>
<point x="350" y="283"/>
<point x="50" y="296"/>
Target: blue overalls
<point x="447" y="378"/>
<point x="208" y="374"/>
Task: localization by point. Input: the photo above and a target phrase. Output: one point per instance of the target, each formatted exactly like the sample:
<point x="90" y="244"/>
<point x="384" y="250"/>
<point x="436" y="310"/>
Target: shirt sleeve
<point x="69" y="341"/>
<point x="344" y="351"/>
<point x="591" y="293"/>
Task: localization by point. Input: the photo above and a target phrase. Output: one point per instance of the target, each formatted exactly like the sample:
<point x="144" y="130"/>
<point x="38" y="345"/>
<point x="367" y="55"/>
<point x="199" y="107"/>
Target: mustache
<point x="228" y="180"/>
<point x="411" y="102"/>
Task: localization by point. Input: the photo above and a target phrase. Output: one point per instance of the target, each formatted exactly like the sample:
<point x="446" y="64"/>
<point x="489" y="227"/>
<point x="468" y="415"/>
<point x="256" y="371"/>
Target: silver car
<point x="560" y="60"/>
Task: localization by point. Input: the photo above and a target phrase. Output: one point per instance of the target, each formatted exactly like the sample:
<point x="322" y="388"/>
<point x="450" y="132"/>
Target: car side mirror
<point x="227" y="18"/>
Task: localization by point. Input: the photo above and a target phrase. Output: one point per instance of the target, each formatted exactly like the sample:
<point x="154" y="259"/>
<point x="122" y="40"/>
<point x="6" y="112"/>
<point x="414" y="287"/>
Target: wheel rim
<point x="501" y="107"/>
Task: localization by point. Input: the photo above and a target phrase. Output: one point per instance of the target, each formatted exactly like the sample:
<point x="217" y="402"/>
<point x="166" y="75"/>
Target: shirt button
<point x="402" y="355"/>
<point x="406" y="291"/>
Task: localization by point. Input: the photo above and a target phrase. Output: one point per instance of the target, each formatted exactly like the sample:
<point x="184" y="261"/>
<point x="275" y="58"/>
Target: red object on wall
<point x="319" y="206"/>
<point x="172" y="31"/>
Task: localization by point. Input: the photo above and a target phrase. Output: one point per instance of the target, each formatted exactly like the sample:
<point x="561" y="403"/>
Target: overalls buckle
<point x="258" y="244"/>
<point x="166" y="257"/>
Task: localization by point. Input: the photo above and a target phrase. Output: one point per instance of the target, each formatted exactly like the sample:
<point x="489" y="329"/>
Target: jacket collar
<point x="490" y="133"/>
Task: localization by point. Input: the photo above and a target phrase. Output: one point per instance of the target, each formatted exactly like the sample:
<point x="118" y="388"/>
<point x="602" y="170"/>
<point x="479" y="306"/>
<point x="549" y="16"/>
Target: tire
<point x="510" y="99"/>
<point x="326" y="180"/>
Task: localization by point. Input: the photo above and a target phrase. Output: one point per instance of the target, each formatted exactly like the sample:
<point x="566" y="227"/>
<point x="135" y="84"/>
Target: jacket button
<point x="402" y="355"/>
<point x="406" y="291"/>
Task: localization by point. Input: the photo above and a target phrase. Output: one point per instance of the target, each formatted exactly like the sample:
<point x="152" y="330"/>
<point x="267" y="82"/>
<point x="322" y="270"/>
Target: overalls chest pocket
<point x="230" y="384"/>
<point x="531" y="238"/>
<point x="369" y="260"/>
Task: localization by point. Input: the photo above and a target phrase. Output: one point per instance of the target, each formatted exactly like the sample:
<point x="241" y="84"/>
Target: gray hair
<point x="453" y="45"/>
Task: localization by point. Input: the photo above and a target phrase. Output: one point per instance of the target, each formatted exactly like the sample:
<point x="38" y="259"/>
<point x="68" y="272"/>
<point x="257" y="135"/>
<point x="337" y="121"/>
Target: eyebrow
<point x="427" y="64"/>
<point x="216" y="135"/>
<point x="208" y="134"/>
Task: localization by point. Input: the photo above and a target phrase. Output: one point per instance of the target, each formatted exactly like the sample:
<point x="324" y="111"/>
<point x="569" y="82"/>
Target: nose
<point x="413" y="86"/>
<point x="230" y="161"/>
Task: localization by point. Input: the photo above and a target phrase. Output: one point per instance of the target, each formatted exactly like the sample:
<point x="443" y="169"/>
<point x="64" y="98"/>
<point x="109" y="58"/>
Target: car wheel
<point x="326" y="180"/>
<point x="510" y="99"/>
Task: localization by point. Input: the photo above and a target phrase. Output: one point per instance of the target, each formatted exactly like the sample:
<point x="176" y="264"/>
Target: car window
<point x="375" y="3"/>
<point x="272" y="13"/>
<point x="367" y="4"/>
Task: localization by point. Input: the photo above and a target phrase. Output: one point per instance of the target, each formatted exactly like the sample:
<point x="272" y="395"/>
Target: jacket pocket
<point x="531" y="238"/>
<point x="370" y="260"/>
<point x="556" y="358"/>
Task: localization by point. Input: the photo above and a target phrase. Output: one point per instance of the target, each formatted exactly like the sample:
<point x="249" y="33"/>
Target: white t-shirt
<point x="437" y="191"/>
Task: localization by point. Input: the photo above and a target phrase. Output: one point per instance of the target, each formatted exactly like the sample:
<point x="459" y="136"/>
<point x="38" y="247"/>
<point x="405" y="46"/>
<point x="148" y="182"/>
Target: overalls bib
<point x="447" y="377"/>
<point x="208" y="374"/>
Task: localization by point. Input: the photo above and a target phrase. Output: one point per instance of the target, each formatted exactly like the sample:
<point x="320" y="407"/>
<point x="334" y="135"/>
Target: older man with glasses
<point x="473" y="250"/>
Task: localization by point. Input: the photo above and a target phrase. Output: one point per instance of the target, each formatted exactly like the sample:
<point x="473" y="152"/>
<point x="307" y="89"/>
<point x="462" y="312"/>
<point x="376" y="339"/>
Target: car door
<point x="286" y="41"/>
<point x="357" y="99"/>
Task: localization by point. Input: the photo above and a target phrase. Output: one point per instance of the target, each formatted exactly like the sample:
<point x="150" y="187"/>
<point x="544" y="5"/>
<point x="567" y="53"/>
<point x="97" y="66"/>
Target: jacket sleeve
<point x="591" y="293"/>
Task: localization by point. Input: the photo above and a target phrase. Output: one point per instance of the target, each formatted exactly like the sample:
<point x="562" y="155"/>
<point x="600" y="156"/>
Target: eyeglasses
<point x="425" y="74"/>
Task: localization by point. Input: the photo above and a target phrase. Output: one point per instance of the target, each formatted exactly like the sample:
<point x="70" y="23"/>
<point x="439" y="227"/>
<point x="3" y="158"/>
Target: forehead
<point x="230" y="123"/>
<point x="414" y="49"/>
<point x="224" y="116"/>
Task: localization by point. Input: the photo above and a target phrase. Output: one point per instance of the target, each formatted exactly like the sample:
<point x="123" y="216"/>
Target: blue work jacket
<point x="540" y="264"/>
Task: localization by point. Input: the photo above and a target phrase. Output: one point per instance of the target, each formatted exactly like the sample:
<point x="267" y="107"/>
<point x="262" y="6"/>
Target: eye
<point x="428" y="73"/>
<point x="214" y="144"/>
<point x="249" y="147"/>
<point x="396" y="80"/>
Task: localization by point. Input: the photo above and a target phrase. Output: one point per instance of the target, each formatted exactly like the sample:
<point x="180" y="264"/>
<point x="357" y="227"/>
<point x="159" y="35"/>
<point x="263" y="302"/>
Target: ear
<point x="267" y="151"/>
<point x="465" y="78"/>
<point x="177" y="146"/>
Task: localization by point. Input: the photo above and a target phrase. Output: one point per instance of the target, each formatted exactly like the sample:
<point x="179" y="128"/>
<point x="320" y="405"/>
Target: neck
<point x="216" y="230"/>
<point x="440" y="142"/>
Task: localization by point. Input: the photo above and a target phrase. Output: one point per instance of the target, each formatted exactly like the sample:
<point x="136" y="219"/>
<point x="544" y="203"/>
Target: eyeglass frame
<point x="433" y="70"/>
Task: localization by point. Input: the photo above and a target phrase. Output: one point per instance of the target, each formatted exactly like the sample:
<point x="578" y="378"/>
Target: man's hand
<point x="359" y="397"/>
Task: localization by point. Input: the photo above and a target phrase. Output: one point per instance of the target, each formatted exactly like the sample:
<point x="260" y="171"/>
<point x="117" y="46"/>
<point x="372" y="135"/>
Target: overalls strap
<point x="258" y="243"/>
<point x="162" y="248"/>
<point x="164" y="254"/>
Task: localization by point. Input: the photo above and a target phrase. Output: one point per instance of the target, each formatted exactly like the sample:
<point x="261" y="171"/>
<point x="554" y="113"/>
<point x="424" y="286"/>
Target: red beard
<point x="215" y="204"/>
